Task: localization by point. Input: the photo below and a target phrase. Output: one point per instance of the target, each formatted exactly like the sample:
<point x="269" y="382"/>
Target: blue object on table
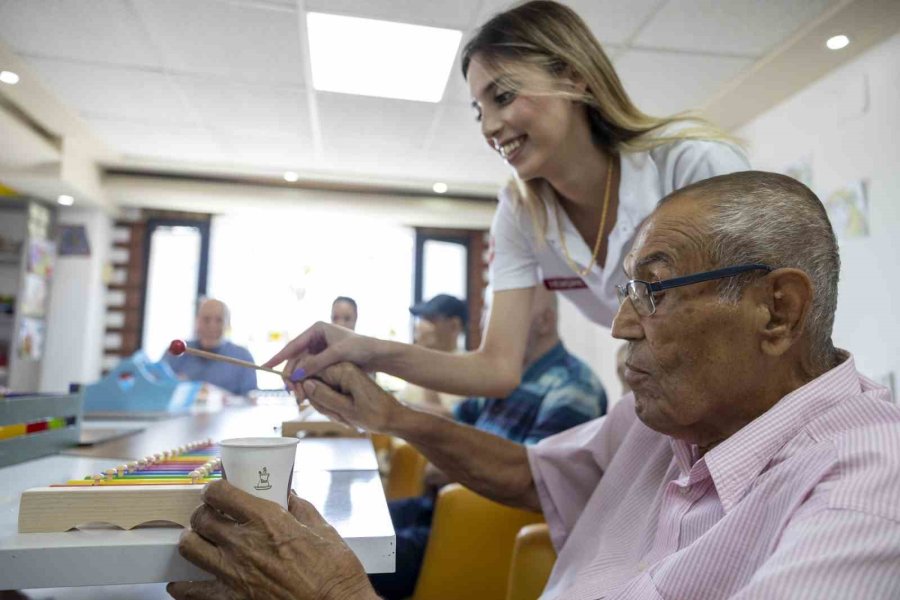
<point x="138" y="385"/>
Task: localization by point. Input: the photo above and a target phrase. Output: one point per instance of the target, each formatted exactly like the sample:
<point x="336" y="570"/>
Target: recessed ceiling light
<point x="291" y="176"/>
<point x="66" y="200"/>
<point x="380" y="58"/>
<point x="837" y="42"/>
<point x="9" y="77"/>
<point x="439" y="187"/>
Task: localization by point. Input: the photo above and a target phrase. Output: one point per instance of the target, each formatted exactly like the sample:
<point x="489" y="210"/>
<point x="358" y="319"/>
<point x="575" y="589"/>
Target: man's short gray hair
<point x="759" y="217"/>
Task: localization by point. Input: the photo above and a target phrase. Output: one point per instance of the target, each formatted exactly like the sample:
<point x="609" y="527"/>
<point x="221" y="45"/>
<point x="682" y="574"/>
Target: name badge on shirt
<point x="564" y="283"/>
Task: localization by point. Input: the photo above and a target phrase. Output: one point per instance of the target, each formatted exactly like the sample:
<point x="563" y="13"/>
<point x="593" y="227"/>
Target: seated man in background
<point x="557" y="392"/>
<point x="344" y="312"/>
<point x="752" y="459"/>
<point x="213" y="320"/>
<point x="440" y="322"/>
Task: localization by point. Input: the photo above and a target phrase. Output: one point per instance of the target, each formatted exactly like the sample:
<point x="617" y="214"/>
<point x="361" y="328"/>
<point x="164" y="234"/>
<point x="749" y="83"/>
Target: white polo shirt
<point x="521" y="261"/>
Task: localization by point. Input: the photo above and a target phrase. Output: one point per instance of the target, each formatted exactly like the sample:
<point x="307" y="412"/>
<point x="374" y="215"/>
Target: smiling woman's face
<point x="529" y="132"/>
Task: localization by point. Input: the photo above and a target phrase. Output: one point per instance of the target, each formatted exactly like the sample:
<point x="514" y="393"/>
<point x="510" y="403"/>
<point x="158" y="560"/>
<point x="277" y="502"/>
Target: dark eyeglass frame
<point x="629" y="288"/>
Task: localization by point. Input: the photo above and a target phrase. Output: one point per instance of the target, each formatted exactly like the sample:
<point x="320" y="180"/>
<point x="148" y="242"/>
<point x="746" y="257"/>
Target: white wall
<point x="848" y="126"/>
<point x="75" y="318"/>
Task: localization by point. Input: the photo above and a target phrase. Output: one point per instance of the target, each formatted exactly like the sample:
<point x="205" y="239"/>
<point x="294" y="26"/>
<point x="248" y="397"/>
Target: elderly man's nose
<point x="627" y="323"/>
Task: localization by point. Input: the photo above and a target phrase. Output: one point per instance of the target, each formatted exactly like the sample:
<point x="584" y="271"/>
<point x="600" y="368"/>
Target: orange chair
<point x="470" y="548"/>
<point x="532" y="561"/>
<point x="406" y="477"/>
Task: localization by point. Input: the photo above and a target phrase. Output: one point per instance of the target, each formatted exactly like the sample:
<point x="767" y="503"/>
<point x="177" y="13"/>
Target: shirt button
<point x="686" y="490"/>
<point x="642" y="566"/>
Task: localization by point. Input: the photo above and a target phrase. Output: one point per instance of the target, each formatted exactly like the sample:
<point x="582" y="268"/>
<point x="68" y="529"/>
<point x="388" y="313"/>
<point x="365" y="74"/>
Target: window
<point x="176" y="277"/>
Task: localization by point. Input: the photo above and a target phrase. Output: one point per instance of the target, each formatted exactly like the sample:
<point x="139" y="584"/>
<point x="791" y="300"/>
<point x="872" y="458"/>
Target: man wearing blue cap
<point x="441" y="321"/>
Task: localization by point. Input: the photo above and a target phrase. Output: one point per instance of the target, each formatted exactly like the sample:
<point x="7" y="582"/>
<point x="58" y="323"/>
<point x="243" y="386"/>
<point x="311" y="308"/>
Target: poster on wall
<point x="848" y="209"/>
<point x="30" y="338"/>
<point x="34" y="295"/>
<point x="801" y="170"/>
<point x="40" y="257"/>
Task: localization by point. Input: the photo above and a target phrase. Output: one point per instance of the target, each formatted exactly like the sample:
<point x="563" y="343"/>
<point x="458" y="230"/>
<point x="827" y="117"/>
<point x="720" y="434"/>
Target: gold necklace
<point x="562" y="238"/>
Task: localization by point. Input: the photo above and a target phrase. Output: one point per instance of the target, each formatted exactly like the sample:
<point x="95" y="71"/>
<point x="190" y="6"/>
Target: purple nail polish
<point x="298" y="374"/>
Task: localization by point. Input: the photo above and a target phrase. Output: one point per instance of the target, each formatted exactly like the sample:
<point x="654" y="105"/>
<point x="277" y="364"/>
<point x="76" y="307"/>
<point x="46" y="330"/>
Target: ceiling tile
<point x="374" y="124"/>
<point x="242" y="42"/>
<point x="283" y="152"/>
<point x="106" y="32"/>
<point x="114" y="92"/>
<point x="189" y="144"/>
<point x="450" y="14"/>
<point x="245" y="108"/>
<point x="733" y="27"/>
<point x="662" y="83"/>
<point x="611" y="21"/>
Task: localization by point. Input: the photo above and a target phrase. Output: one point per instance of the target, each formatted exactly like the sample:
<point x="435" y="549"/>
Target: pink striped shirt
<point x="803" y="502"/>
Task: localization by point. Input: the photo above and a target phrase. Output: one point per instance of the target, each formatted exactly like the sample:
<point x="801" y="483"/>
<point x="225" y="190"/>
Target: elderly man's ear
<point x="784" y="303"/>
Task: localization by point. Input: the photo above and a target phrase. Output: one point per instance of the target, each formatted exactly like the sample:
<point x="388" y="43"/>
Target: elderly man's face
<point x="211" y="324"/>
<point x="692" y="361"/>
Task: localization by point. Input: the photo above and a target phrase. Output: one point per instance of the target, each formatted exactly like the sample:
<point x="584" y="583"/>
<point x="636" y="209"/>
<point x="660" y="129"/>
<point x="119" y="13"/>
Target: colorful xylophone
<point x="162" y="487"/>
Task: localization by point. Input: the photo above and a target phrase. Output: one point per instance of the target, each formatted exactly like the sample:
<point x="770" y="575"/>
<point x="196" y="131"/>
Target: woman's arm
<point x="493" y="370"/>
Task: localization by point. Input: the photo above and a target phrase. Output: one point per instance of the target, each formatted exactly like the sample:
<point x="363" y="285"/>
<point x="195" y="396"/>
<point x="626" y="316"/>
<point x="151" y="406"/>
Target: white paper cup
<point x="261" y="466"/>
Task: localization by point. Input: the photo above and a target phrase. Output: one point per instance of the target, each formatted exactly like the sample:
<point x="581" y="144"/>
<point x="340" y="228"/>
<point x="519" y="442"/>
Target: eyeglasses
<point x="641" y="292"/>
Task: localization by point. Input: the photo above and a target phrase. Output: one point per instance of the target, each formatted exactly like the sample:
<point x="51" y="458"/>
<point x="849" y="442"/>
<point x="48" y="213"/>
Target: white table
<point x="338" y="476"/>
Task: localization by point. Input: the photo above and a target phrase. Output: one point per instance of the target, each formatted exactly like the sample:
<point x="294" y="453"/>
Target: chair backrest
<point x="470" y="547"/>
<point x="406" y="477"/>
<point x="532" y="561"/>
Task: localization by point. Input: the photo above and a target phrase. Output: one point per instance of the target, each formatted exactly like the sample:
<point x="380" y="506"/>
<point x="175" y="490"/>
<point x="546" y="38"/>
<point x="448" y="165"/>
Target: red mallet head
<point x="177" y="347"/>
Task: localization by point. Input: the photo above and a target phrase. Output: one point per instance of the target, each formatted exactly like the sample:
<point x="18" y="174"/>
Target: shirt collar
<point x="736" y="463"/>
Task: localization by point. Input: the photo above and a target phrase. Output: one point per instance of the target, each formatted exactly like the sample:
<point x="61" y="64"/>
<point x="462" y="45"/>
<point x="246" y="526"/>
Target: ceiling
<point x="221" y="85"/>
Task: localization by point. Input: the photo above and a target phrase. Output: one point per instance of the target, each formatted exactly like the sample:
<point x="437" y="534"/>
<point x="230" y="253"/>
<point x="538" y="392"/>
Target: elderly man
<point x="440" y="322"/>
<point x="213" y="321"/>
<point x="751" y="459"/>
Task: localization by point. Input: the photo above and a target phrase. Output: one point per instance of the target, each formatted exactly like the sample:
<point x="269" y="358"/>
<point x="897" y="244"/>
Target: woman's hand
<point x="258" y="550"/>
<point x="346" y="394"/>
<point x="320" y="346"/>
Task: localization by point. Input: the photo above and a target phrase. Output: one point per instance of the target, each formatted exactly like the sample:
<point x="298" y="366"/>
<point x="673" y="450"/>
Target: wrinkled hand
<point x="346" y="394"/>
<point x="320" y="346"/>
<point x="256" y="550"/>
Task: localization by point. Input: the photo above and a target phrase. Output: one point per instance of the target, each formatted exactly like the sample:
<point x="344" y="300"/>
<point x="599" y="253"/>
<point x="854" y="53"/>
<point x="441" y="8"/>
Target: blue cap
<point x="442" y="305"/>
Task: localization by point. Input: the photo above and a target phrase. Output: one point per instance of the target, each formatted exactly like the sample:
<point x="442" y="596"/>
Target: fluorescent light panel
<point x="380" y="58"/>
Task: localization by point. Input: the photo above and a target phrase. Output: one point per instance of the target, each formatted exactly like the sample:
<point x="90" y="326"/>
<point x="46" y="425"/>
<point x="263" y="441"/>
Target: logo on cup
<point x="263" y="481"/>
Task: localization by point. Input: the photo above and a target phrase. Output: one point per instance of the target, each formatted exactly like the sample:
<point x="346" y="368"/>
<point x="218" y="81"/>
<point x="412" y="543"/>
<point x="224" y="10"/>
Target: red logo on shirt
<point x="564" y="283"/>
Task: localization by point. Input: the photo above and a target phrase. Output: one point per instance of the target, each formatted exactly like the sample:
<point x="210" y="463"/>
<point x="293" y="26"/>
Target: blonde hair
<point x="547" y="37"/>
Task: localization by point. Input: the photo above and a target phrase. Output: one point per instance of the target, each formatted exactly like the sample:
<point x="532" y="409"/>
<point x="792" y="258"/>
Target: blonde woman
<point x="588" y="167"/>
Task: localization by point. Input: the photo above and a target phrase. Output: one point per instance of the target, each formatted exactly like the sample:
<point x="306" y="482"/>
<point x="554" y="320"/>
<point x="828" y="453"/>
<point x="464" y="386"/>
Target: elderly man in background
<point x="440" y="323"/>
<point x="212" y="322"/>
<point x="751" y="460"/>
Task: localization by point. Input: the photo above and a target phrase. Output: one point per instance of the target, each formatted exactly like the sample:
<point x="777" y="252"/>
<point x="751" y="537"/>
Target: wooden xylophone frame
<point x="110" y="498"/>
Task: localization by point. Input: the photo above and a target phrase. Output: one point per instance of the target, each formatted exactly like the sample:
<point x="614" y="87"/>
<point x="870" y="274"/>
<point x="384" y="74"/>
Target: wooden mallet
<point x="178" y="347"/>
